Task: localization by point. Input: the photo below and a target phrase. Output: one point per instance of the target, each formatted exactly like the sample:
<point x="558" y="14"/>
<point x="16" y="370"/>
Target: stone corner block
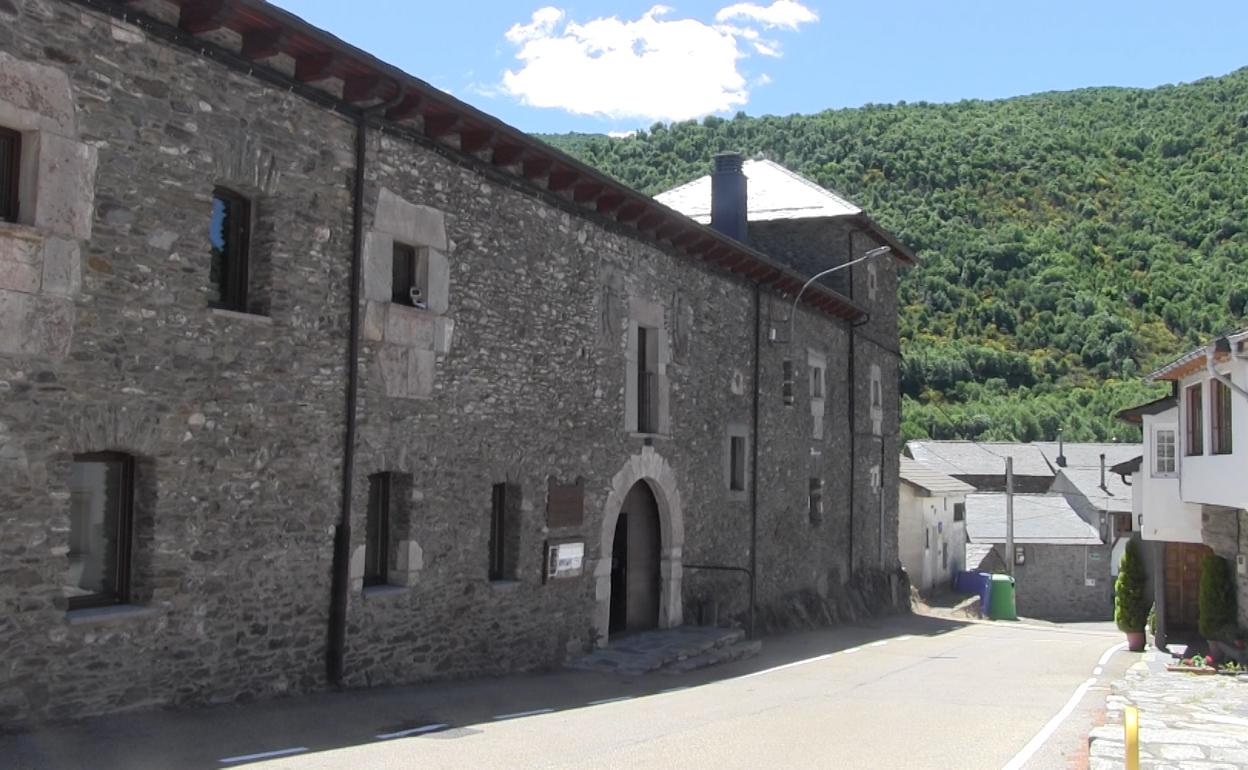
<point x="378" y="270"/>
<point x="35" y="325"/>
<point x="62" y="267"/>
<point x="410" y="222"/>
<point x="35" y="96"/>
<point x="375" y="320"/>
<point x="64" y="199"/>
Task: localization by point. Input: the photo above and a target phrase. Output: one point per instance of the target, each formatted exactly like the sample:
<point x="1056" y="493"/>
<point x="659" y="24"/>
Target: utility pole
<point x="1009" y="515"/>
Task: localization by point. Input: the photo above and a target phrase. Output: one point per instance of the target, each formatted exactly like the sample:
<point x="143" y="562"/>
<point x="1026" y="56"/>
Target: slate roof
<point x="933" y="482"/>
<point x="1037" y="519"/>
<point x="773" y="192"/>
<point x="1115" y="497"/>
<point x="1135" y="415"/>
<point x="1088" y="455"/>
<point x="980" y="458"/>
<point x="1193" y="360"/>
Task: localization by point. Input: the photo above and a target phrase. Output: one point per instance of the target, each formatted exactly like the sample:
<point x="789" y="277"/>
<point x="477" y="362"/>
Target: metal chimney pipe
<point x="1103" y="473"/>
<point x="729" y="196"/>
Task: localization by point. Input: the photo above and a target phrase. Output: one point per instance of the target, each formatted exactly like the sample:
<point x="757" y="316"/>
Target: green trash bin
<point x="1001" y="602"/>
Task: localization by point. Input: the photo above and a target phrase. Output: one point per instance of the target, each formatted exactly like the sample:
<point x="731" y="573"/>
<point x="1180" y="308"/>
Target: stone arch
<point x="648" y="466"/>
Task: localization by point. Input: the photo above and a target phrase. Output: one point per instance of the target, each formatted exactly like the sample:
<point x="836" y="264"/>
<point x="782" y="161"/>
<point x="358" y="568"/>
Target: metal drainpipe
<point x="853" y="457"/>
<point x="758" y="334"/>
<point x="341" y="576"/>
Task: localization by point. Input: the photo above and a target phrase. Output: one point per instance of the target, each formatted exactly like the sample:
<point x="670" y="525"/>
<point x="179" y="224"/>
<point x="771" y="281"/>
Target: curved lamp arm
<point x="876" y="252"/>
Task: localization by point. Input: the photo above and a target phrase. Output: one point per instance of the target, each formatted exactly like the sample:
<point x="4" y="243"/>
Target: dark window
<point x="498" y="534"/>
<point x="377" y="530"/>
<point x="816" y="382"/>
<point x="647" y="381"/>
<point x="408" y="276"/>
<point x="10" y="168"/>
<point x="736" y="460"/>
<point x="1220" y="417"/>
<point x="101" y="518"/>
<point x="959" y="511"/>
<point x="1195" y="422"/>
<point x="816" y="501"/>
<point x="229" y="233"/>
<point x="1122" y="524"/>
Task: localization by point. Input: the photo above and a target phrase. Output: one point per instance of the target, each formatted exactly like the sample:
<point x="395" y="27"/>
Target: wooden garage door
<point x="1183" y="583"/>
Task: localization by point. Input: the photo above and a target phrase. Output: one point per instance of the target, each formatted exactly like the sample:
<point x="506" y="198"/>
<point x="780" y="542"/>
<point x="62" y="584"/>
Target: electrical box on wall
<point x="564" y="560"/>
<point x="1020" y="557"/>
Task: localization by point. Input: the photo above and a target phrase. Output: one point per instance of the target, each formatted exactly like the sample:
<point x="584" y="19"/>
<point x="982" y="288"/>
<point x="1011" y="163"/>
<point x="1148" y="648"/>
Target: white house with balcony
<point x="1191" y="485"/>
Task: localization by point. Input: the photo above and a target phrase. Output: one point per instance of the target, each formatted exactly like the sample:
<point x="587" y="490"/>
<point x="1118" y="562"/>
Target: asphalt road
<point x="911" y="692"/>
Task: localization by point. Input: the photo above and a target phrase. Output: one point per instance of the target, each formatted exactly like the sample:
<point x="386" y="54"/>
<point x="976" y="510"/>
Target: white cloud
<point x="781" y="13"/>
<point x="622" y="134"/>
<point x="655" y="67"/>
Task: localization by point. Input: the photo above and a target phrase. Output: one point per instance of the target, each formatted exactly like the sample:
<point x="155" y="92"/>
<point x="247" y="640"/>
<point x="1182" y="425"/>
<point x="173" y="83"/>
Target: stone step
<point x="637" y="654"/>
<point x="738" y="651"/>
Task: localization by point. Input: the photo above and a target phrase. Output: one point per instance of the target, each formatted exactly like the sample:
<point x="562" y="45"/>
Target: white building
<point x="1191" y="485"/>
<point x="931" y="525"/>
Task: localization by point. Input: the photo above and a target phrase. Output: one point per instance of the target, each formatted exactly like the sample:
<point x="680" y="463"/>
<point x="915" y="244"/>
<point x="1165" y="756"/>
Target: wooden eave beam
<point x="508" y="154"/>
<point x="667" y="230"/>
<point x="630" y="211"/>
<point x="561" y="179"/>
<point x="610" y="202"/>
<point x="441" y="124"/>
<point x="536" y="168"/>
<point x="264" y="43"/>
<point x="311" y="67"/>
<point x="203" y="16"/>
<point x="649" y="221"/>
<point x="404" y="109"/>
<point x="587" y="192"/>
<point x="473" y="140"/>
<point x="363" y="88"/>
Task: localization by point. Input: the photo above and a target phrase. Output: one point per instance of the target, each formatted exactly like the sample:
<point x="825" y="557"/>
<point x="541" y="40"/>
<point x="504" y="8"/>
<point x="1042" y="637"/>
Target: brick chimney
<point x="729" y="196"/>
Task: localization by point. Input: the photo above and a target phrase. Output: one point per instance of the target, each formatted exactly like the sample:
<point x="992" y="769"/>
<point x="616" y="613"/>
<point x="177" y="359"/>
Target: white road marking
<point x="1021" y="758"/>
<point x="878" y="644"/>
<point x="905" y="638"/>
<point x="609" y="700"/>
<point x="1110" y="652"/>
<point x="1098" y="671"/>
<point x="263" y="755"/>
<point x="851" y="650"/>
<point x="412" y="731"/>
<point x="519" y="714"/>
<point x="794" y="664"/>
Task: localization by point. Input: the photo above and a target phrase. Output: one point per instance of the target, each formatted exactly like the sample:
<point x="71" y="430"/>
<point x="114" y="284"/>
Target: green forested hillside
<point x="1069" y="241"/>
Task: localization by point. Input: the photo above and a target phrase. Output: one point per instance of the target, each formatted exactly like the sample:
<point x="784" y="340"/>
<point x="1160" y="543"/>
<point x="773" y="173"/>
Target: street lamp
<point x="878" y="251"/>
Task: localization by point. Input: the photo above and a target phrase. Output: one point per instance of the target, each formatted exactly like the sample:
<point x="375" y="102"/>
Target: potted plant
<point x="1130" y="601"/>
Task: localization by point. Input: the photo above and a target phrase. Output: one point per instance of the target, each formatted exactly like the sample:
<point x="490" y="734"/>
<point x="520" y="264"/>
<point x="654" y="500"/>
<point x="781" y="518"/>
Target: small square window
<point x="377" y="529"/>
<point x="10" y="168"/>
<point x="101" y="518"/>
<point x="409" y="277"/>
<point x="229" y="234"/>
<point x="959" y="511"/>
<point x="736" y="460"/>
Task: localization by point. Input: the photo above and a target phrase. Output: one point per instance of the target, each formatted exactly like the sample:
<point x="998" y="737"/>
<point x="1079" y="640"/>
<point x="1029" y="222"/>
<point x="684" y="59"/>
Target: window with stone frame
<point x="504" y="544"/>
<point x="101" y="527"/>
<point x="1164" y="446"/>
<point x="10" y="171"/>
<point x="816" y="382"/>
<point x="1195" y="421"/>
<point x="409" y="277"/>
<point x="647" y="380"/>
<point x="229" y="235"/>
<point x="1219" y="418"/>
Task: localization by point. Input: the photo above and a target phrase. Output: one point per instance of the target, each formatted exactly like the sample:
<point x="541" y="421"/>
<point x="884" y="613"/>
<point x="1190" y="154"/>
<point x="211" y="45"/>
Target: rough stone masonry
<point x="516" y="371"/>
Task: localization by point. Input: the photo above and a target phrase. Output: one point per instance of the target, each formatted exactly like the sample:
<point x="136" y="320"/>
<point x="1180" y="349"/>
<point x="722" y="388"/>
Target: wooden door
<point x="1183" y="584"/>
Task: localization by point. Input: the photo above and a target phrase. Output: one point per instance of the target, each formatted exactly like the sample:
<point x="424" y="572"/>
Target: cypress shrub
<point x="1217" y="598"/>
<point x="1130" y="591"/>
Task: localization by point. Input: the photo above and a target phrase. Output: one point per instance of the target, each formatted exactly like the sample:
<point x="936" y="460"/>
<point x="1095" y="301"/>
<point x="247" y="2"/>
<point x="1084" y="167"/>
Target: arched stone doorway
<point x="635" y="563"/>
<point x="659" y="482"/>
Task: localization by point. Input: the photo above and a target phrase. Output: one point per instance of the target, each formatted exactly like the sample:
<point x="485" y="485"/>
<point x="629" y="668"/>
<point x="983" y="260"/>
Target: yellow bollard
<point x="1131" y="730"/>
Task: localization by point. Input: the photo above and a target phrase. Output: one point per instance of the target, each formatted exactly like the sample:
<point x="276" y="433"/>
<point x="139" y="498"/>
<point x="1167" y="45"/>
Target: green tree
<point x="1130" y="591"/>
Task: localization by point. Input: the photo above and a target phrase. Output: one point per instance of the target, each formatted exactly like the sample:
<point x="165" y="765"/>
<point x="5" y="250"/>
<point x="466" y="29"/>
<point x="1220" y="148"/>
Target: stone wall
<point x="1052" y="584"/>
<point x="1225" y="530"/>
<point x="515" y="373"/>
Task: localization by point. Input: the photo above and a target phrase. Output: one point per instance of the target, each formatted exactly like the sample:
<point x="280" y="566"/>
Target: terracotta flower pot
<point x="1135" y="641"/>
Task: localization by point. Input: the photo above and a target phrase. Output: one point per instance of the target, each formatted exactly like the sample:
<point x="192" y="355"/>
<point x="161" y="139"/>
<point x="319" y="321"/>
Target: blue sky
<point x="590" y="65"/>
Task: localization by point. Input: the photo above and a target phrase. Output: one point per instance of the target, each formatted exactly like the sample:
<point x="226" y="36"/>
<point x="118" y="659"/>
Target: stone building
<point x="311" y="374"/>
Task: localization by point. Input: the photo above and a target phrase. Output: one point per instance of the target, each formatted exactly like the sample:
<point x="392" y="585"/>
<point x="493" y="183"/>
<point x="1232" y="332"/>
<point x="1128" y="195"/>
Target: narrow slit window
<point x="647" y="381"/>
<point x="101" y="518"/>
<point x="230" y="237"/>
<point x="498" y="511"/>
<point x="10" y="168"/>
<point x="816" y="382"/>
<point x="736" y="459"/>
<point x="377" y="530"/>
<point x="815" y="501"/>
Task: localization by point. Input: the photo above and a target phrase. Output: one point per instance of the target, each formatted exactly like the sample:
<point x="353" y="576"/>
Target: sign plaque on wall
<point x="565" y="504"/>
<point x="565" y="560"/>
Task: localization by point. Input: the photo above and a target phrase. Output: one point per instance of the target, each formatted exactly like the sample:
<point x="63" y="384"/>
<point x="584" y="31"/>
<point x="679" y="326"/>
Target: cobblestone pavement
<point x="1187" y="721"/>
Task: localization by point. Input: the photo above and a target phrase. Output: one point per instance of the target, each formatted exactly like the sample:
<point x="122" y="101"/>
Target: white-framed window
<point x="1165" y="446"/>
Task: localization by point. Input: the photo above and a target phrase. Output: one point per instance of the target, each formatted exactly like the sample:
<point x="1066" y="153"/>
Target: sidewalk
<point x="1187" y="721"/>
